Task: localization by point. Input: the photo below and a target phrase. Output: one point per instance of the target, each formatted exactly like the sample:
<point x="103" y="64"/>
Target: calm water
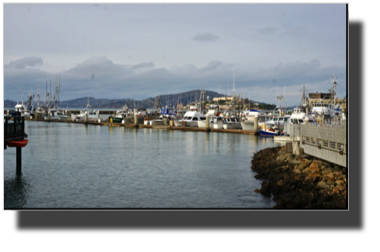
<point x="78" y="166"/>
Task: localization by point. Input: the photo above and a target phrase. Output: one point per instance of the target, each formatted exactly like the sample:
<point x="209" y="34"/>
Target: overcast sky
<point x="139" y="51"/>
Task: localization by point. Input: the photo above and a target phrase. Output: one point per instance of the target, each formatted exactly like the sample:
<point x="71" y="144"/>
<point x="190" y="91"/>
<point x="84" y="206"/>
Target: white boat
<point x="92" y="115"/>
<point x="299" y="117"/>
<point x="231" y="123"/>
<point x="191" y="118"/>
<point x="216" y="122"/>
<point x="213" y="120"/>
<point x="248" y="123"/>
<point x="263" y="119"/>
<point x="56" y="115"/>
<point x="21" y="108"/>
<point x="277" y="122"/>
<point x="160" y="120"/>
<point x="213" y="110"/>
<point x="320" y="108"/>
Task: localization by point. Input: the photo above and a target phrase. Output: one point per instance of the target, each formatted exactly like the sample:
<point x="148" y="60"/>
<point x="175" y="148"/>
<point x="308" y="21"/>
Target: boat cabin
<point x="193" y="116"/>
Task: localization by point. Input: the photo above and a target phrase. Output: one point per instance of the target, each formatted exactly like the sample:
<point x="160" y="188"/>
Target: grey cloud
<point x="211" y="66"/>
<point x="97" y="66"/>
<point x="119" y="81"/>
<point x="143" y="65"/>
<point x="205" y="37"/>
<point x="26" y="62"/>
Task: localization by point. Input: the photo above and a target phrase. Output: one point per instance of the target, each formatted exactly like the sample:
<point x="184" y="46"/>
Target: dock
<point x="140" y="124"/>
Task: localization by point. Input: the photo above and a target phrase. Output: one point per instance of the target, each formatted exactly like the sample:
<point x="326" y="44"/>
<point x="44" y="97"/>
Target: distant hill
<point x="168" y="99"/>
<point x="9" y="104"/>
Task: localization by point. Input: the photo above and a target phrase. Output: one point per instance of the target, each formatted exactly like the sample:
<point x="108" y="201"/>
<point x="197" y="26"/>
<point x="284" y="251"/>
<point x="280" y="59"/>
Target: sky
<point x="137" y="51"/>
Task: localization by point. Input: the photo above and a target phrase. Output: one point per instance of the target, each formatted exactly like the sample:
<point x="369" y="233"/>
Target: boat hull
<point x="202" y="124"/>
<point x="157" y="122"/>
<point x="177" y="123"/>
<point x="192" y="124"/>
<point x="231" y="126"/>
<point x="115" y="119"/>
<point x="270" y="133"/>
<point x="217" y="125"/>
<point x="247" y="125"/>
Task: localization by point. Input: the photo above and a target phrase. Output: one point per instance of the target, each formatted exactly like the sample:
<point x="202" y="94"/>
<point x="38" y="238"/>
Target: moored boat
<point x="231" y="123"/>
<point x="270" y="132"/>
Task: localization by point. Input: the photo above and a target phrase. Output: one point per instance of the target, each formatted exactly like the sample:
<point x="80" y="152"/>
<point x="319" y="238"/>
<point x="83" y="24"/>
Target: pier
<point x="327" y="141"/>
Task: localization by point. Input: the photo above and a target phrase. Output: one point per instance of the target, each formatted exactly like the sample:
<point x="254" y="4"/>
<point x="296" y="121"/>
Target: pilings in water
<point x="18" y="160"/>
<point x="208" y="123"/>
<point x="86" y="117"/>
<point x="255" y="124"/>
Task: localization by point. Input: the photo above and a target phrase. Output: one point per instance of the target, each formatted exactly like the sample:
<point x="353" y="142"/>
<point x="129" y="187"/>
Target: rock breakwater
<point x="300" y="181"/>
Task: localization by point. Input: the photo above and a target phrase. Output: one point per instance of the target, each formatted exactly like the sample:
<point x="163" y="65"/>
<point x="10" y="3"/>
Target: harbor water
<point x="89" y="166"/>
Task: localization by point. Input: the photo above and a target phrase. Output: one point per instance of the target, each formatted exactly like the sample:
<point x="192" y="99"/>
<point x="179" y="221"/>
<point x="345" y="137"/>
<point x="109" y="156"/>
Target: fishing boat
<point x="263" y="119"/>
<point x="191" y="118"/>
<point x="231" y="123"/>
<point x="22" y="109"/>
<point x="248" y="123"/>
<point x="92" y="115"/>
<point x="270" y="132"/>
<point x="278" y="122"/>
<point x="119" y="116"/>
<point x="299" y="117"/>
<point x="213" y="120"/>
<point x="213" y="110"/>
<point x="56" y="115"/>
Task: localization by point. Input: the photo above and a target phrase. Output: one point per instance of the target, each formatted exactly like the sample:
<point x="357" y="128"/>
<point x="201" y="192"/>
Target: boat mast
<point x="59" y="88"/>
<point x="334" y="86"/>
<point x="38" y="97"/>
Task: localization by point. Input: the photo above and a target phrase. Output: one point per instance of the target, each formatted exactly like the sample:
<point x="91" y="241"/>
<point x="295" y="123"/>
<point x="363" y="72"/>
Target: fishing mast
<point x="38" y="97"/>
<point x="333" y="90"/>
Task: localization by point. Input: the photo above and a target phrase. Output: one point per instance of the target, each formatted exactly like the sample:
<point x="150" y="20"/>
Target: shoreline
<point x="300" y="181"/>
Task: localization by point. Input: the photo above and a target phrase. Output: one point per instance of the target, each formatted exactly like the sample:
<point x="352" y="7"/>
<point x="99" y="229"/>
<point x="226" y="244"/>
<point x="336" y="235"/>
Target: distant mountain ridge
<point x="168" y="99"/>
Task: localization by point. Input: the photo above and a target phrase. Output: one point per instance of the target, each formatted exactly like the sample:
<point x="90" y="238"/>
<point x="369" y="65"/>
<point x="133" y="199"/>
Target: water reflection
<point x="255" y="140"/>
<point x="16" y="192"/>
<point x="133" y="168"/>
